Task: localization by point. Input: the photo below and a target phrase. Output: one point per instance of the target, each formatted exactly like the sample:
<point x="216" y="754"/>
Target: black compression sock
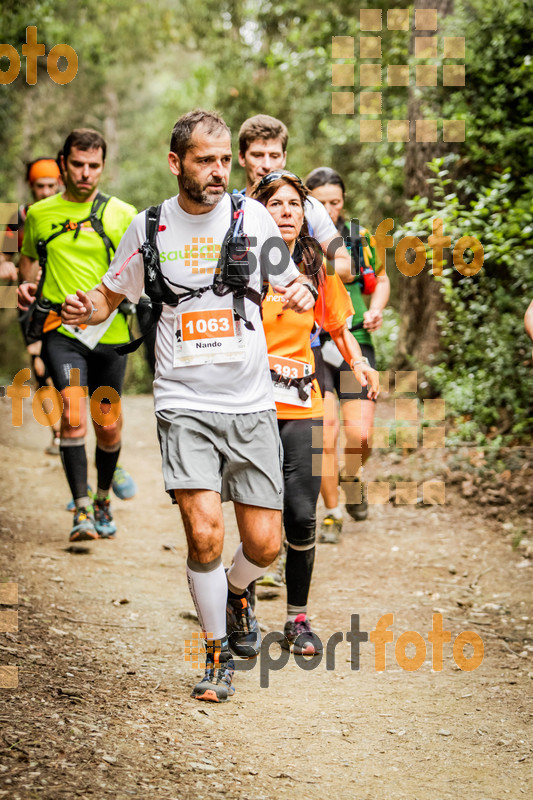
<point x="74" y="460"/>
<point x="298" y="572"/>
<point x="106" y="461"/>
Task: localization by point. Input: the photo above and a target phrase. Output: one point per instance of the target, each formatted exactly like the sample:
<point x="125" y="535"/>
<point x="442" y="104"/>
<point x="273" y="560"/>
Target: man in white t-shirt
<point x="212" y="389"/>
<point x="263" y="149"/>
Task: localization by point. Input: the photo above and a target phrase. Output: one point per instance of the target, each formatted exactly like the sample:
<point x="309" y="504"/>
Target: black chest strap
<point x="232" y="274"/>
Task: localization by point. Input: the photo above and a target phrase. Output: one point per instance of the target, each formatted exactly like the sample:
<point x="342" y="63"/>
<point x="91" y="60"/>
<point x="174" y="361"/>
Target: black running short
<point x="319" y="369"/>
<point x="346" y="387"/>
<point x="102" y="366"/>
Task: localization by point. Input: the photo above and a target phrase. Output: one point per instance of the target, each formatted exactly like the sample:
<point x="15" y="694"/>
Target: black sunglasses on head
<point x="273" y="176"/>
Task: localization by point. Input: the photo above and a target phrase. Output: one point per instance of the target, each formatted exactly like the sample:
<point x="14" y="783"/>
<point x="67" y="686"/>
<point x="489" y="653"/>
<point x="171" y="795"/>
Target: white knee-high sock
<point x="243" y="571"/>
<point x="209" y="590"/>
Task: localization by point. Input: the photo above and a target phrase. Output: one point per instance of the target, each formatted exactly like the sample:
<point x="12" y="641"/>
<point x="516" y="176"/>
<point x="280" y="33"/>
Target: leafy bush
<point x="484" y="369"/>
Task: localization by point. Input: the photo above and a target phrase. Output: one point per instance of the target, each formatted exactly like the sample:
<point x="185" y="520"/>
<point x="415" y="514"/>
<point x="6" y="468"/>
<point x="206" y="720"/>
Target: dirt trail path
<point x="102" y="709"/>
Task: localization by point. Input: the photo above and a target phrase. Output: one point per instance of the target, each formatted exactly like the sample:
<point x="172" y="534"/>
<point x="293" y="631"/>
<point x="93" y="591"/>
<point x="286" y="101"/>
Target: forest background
<point x="143" y="64"/>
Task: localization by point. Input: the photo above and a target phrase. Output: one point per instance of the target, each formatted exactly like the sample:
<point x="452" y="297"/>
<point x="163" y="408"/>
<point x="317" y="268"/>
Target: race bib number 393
<point x="209" y="336"/>
<point x="289" y="368"/>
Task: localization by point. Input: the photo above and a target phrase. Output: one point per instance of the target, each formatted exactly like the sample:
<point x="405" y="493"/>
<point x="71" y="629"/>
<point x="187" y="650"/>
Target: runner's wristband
<point x="312" y="289"/>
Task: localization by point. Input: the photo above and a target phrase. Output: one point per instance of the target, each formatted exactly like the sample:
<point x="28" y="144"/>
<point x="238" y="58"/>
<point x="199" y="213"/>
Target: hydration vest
<point x="232" y="274"/>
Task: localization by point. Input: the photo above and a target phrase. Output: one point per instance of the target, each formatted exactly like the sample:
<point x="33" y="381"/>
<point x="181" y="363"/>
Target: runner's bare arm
<point x="373" y="318"/>
<point x="28" y="275"/>
<point x="8" y="271"/>
<point x="297" y="295"/>
<point x="90" y="308"/>
<point x="349" y="348"/>
<point x="335" y="251"/>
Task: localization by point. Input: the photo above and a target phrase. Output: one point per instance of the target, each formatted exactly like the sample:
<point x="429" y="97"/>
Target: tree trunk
<point x="419" y="295"/>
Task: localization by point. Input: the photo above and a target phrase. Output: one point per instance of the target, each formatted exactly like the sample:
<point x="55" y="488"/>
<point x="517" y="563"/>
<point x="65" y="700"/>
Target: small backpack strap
<point x="97" y="211"/>
<point x="150" y="256"/>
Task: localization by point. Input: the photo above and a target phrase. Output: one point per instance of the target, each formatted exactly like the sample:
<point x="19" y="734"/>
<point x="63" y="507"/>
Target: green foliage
<point x="386" y="338"/>
<point x="484" y="369"/>
<point x="497" y="99"/>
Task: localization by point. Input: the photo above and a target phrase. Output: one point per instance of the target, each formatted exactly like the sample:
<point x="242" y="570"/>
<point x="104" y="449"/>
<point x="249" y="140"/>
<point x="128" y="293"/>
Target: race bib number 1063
<point x="210" y="336"/>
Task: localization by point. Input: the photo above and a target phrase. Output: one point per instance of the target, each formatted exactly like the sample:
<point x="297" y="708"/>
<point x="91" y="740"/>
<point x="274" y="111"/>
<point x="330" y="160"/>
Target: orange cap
<point x="43" y="168"/>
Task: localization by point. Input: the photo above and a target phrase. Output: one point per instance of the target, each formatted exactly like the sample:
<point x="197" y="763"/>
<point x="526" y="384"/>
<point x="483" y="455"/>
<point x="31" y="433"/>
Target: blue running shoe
<point x="216" y="685"/>
<point x="103" y="518"/>
<point x="123" y="484"/>
<point x="83" y="529"/>
<point x="71" y="505"/>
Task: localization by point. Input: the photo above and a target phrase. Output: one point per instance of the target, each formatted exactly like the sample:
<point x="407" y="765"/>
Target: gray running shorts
<point x="237" y="455"/>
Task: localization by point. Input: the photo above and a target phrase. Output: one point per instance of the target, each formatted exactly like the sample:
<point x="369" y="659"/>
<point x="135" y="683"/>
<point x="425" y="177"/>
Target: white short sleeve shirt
<point x="189" y="246"/>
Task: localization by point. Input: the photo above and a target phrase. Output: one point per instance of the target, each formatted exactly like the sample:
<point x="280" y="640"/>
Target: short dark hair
<point x="264" y="128"/>
<point x="181" y="139"/>
<point x="84" y="139"/>
<point x="322" y="176"/>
